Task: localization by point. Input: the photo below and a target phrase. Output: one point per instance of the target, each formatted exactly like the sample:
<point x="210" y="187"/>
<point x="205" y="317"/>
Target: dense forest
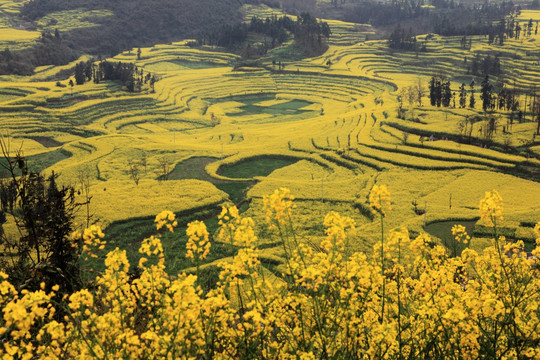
<point x="50" y="49"/>
<point x="135" y="23"/>
<point x="446" y="17"/>
<point x="139" y="23"/>
<point x="309" y="34"/>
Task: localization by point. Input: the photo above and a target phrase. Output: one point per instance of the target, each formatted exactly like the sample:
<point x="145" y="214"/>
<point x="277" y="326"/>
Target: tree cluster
<point x="309" y="33"/>
<point x="446" y="17"/>
<point x="471" y="19"/>
<point x="128" y="74"/>
<point x="488" y="65"/>
<point x="486" y="95"/>
<point x="506" y="99"/>
<point x="386" y="13"/>
<point x="487" y="128"/>
<point x="440" y="93"/>
<point x="276" y="28"/>
<point x="403" y="40"/>
<point x="514" y="30"/>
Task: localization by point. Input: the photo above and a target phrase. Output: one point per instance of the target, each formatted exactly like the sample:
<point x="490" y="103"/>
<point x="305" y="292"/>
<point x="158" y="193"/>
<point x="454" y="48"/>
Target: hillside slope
<point x="138" y="22"/>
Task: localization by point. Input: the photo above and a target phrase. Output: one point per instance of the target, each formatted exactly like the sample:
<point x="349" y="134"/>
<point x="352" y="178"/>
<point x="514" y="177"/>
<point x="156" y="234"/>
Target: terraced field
<point x="338" y="123"/>
<point x="14" y="35"/>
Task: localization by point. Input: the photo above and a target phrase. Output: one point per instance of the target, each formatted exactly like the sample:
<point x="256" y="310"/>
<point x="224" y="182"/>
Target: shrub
<point x="43" y="214"/>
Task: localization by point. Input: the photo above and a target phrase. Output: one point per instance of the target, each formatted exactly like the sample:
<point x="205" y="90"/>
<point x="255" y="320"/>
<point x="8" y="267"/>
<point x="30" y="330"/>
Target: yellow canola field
<point x="71" y="19"/>
<point x="120" y="199"/>
<point x="521" y="197"/>
<point x="17" y="39"/>
<point x="308" y="180"/>
<point x="203" y="106"/>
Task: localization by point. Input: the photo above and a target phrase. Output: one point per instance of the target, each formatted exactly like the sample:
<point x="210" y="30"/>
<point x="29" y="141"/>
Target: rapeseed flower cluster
<point x="379" y="200"/>
<point x="198" y="246"/>
<point x="90" y="242"/>
<point x="323" y="302"/>
<point x="336" y="231"/>
<point x="228" y="220"/>
<point x="491" y="208"/>
<point x="460" y="234"/>
<point x="166" y="219"/>
<point x="461" y="239"/>
<point x="278" y="207"/>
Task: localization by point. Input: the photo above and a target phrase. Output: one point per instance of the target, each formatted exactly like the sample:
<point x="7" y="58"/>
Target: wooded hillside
<point x="139" y="22"/>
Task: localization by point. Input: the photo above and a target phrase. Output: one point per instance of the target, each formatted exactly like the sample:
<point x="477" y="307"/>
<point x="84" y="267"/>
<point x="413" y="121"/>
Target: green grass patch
<point x="128" y="235"/>
<point x="283" y="111"/>
<point x="443" y="229"/>
<point x="177" y="65"/>
<point x="237" y="190"/>
<point x="258" y="166"/>
<point x="39" y="162"/>
<point x="287" y="53"/>
<point x="194" y="168"/>
<point x="288" y="108"/>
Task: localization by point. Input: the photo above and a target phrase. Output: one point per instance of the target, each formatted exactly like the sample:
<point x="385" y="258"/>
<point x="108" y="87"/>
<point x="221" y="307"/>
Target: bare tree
<point x="144" y="161"/>
<point x="420" y="91"/>
<point x="164" y="168"/>
<point x="134" y="171"/>
<point x="412" y="94"/>
<point x="490" y="127"/>
<point x="84" y="177"/>
<point x="405" y="137"/>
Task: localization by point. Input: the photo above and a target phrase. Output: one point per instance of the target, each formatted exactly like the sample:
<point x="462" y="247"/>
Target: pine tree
<point x="487" y="94"/>
<point x="432" y="91"/>
<point x="462" y="96"/>
<point x="80" y="76"/>
<point x="438" y="91"/>
<point x="446" y="94"/>
<point x="472" y="100"/>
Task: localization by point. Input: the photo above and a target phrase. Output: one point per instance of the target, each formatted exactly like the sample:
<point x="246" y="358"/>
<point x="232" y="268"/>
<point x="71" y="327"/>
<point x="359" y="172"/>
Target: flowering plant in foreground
<point x="327" y="303"/>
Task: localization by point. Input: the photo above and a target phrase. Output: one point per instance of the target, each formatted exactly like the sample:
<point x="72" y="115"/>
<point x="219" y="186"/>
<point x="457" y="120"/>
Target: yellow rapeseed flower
<point x="228" y="220"/>
<point x="278" y="206"/>
<point x="336" y="230"/>
<point x="471" y="305"/>
<point x="491" y="207"/>
<point x="379" y="199"/>
<point x="166" y="218"/>
<point x="460" y="234"/>
<point x="244" y="234"/>
<point x="198" y="245"/>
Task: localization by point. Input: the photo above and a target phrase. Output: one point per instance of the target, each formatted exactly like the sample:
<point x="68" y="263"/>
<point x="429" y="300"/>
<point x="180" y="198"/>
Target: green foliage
<point x="138" y="22"/>
<point x="259" y="166"/>
<point x="43" y="214"/>
<point x="127" y="234"/>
